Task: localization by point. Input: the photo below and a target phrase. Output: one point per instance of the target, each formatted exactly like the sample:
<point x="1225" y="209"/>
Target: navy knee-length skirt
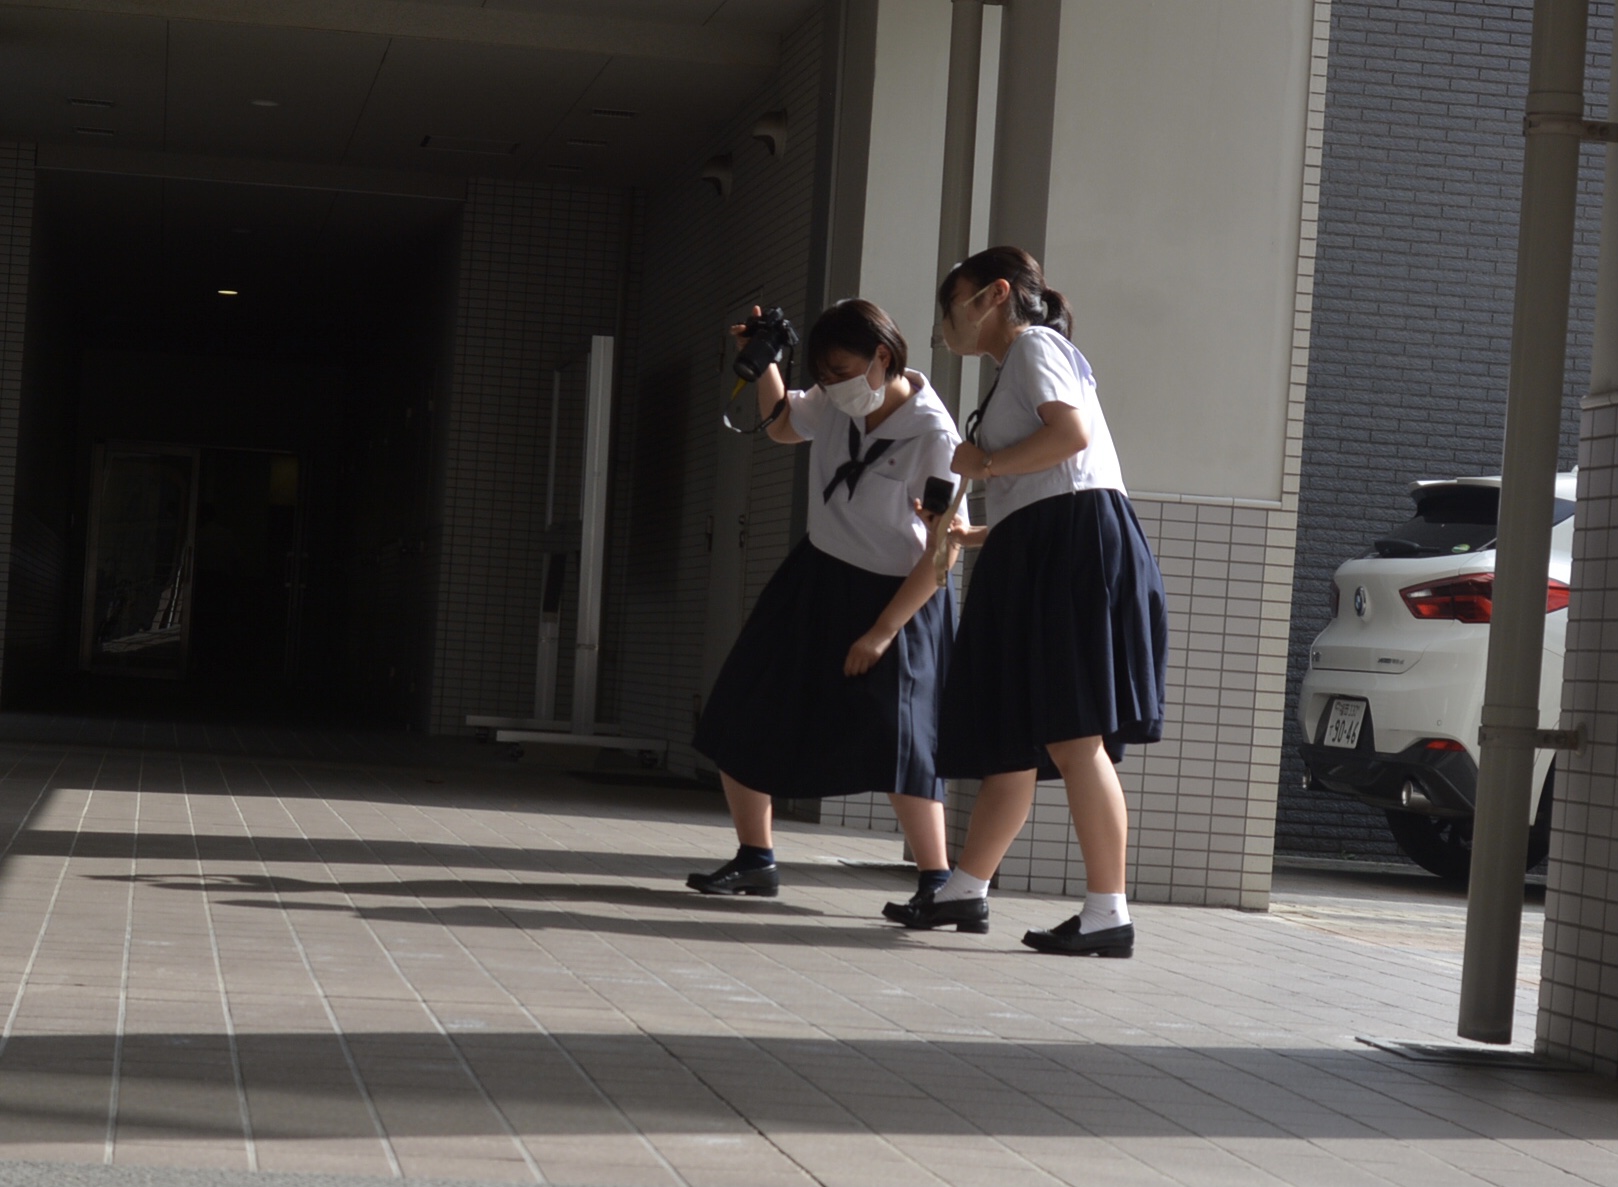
<point x="783" y="719"/>
<point x="1064" y="634"/>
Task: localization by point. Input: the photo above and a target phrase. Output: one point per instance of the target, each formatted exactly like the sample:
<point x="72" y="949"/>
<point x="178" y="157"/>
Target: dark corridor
<point x="226" y="450"/>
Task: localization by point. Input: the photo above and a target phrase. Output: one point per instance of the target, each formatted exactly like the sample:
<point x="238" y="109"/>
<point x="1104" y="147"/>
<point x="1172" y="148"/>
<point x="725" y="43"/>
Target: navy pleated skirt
<point x="783" y="719"/>
<point x="1064" y="634"/>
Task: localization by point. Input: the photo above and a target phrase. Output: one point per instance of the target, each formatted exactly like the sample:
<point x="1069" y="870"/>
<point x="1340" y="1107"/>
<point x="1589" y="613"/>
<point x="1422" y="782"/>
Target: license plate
<point x="1343" y="721"/>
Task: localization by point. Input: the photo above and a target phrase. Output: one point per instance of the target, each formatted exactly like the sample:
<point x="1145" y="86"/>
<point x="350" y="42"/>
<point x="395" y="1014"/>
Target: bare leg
<point x="1100" y="819"/>
<point x="923" y="824"/>
<point x="997" y="817"/>
<point x="752" y="811"/>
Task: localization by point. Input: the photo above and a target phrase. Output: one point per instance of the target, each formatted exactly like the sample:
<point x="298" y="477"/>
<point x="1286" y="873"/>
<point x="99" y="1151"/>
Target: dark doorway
<point x="286" y="347"/>
<point x="248" y="572"/>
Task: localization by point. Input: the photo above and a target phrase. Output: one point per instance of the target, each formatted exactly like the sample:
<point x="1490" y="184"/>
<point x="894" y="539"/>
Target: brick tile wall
<point x="1419" y="195"/>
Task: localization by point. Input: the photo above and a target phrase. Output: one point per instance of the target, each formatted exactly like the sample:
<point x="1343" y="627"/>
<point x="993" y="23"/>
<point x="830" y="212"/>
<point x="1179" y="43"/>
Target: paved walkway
<point x="263" y="969"/>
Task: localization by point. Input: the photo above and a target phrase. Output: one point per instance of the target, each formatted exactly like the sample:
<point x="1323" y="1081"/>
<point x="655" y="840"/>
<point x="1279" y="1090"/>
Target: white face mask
<point x="957" y="342"/>
<point x="856" y="397"/>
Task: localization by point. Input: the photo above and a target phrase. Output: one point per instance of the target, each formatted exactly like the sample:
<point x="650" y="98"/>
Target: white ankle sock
<point x="1102" y="911"/>
<point x="961" y="885"/>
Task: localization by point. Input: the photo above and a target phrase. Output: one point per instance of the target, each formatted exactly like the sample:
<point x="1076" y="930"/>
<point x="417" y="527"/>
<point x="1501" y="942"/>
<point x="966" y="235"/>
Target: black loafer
<point x="1064" y="938"/>
<point x="923" y="914"/>
<point x="727" y="879"/>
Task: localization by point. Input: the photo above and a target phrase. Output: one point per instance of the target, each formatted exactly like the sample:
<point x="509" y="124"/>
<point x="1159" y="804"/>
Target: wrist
<point x="988" y="464"/>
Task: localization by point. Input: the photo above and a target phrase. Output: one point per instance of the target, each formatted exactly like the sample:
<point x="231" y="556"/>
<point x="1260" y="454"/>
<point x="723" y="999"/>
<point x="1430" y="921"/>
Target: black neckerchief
<point x="851" y="470"/>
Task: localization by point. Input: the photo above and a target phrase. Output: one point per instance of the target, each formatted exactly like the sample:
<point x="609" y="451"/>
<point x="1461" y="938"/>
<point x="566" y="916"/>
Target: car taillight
<point x="1447" y="744"/>
<point x="1336" y="597"/>
<point x="1470" y="598"/>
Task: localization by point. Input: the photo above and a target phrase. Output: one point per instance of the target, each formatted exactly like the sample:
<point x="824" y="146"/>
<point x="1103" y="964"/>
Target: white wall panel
<point x="1175" y="203"/>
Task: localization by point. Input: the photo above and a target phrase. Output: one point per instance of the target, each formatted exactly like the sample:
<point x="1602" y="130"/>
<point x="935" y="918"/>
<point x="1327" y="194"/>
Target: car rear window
<point x="1453" y="519"/>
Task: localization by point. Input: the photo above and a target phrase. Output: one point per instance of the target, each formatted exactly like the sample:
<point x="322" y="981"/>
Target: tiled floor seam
<point x="44" y="928"/>
<point x="578" y="1069"/>
<point x="360" y="1086"/>
<point x="432" y="1015"/>
<point x="219" y="979"/>
<point x="123" y="989"/>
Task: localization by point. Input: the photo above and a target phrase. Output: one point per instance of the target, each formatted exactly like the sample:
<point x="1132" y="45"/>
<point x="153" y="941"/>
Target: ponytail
<point x="1058" y="313"/>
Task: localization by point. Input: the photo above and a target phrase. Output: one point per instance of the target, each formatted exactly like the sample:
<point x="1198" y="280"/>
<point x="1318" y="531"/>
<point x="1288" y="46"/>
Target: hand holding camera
<point x="766" y="338"/>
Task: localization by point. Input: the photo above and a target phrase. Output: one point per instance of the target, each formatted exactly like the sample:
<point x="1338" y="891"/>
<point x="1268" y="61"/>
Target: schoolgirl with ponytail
<point x="1060" y="657"/>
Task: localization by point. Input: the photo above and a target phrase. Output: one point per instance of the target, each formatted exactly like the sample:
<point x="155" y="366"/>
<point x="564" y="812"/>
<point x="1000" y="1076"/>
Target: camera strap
<point x="784" y="361"/>
<point x="975" y="420"/>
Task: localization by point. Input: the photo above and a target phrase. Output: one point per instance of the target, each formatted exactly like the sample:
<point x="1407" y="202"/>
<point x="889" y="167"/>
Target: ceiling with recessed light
<point x="301" y="150"/>
<point x="592" y="91"/>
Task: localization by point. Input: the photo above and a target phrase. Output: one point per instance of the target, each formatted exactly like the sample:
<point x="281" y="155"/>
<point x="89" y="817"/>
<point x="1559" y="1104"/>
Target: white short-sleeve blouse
<point x="874" y="526"/>
<point x="1041" y="365"/>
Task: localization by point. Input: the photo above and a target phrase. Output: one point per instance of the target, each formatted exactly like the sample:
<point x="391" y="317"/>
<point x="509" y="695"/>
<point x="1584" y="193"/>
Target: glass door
<point x="138" y="564"/>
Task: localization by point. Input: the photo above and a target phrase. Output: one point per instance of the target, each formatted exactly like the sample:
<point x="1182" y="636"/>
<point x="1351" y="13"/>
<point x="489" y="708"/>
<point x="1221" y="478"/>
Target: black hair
<point x="859" y="327"/>
<point x="1032" y="303"/>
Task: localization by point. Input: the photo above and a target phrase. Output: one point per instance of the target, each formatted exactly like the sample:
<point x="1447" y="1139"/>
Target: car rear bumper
<point x="1446" y="780"/>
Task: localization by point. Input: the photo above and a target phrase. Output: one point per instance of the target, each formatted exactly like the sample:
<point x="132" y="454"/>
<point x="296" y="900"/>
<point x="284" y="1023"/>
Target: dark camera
<point x="770" y="335"/>
<point x="935" y="496"/>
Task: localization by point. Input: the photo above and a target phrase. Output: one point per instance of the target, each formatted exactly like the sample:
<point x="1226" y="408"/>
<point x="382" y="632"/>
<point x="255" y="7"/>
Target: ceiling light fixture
<point x="559" y="167"/>
<point x="229" y="292"/>
<point x="95" y="131"/>
<point x="463" y="144"/>
<point x="613" y="113"/>
<point x="98" y="104"/>
<point x="587" y="144"/>
<point x="266" y="103"/>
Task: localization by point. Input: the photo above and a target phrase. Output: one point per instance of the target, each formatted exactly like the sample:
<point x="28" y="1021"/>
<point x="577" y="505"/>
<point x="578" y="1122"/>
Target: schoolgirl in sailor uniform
<point x="1060" y="658"/>
<point x="832" y="687"/>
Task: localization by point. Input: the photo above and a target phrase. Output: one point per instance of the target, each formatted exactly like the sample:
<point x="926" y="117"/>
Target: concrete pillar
<point x="1019" y="199"/>
<point x="960" y="158"/>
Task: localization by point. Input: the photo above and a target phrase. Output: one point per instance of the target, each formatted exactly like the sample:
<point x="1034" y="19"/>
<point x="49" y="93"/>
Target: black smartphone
<point x="935" y="496"/>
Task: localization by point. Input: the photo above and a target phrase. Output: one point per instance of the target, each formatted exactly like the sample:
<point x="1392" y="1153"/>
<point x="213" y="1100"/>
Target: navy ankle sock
<point x="928" y="881"/>
<point x="751" y="857"/>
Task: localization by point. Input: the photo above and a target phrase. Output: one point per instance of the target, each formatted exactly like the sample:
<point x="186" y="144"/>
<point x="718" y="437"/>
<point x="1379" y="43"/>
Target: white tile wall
<point x="541" y="270"/>
<point x="1578" y="995"/>
<point x="1202" y="801"/>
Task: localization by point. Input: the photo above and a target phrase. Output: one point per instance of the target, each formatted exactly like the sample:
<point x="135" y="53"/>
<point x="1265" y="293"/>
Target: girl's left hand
<point x="867" y="649"/>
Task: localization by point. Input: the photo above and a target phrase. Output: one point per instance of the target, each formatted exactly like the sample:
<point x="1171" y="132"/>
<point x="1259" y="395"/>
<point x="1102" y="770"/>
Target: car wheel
<point x="1444" y="846"/>
<point x="1439" y="846"/>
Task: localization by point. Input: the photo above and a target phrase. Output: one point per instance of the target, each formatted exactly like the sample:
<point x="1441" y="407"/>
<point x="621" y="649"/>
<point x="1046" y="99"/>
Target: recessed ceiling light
<point x="99" y="104"/>
<point x="229" y="293"/>
<point x="488" y="148"/>
<point x="561" y="168"/>
<point x="266" y="103"/>
<point x="613" y="113"/>
<point x="587" y="144"/>
<point x="95" y="131"/>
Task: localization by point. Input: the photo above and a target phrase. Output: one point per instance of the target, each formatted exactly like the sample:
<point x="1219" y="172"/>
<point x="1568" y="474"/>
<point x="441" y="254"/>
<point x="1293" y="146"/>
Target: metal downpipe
<point x="1533" y="427"/>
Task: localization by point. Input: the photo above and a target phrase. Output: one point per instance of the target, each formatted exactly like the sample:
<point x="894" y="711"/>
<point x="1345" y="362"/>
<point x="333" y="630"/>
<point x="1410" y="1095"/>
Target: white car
<point x="1394" y="693"/>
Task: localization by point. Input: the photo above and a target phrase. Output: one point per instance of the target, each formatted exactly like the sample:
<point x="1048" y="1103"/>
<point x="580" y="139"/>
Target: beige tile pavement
<point x="229" y="969"/>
